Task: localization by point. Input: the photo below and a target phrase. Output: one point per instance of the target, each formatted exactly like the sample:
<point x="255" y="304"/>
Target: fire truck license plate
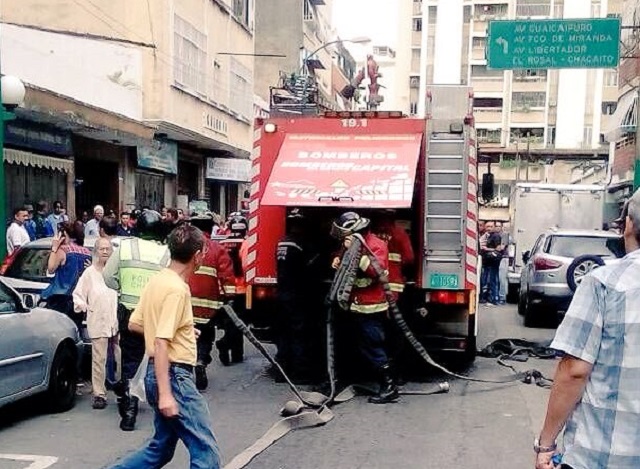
<point x="448" y="281"/>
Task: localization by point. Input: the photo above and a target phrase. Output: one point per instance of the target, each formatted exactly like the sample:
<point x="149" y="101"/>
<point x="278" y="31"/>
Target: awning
<point x="31" y="159"/>
<point x="624" y="118"/>
<point x="373" y="171"/>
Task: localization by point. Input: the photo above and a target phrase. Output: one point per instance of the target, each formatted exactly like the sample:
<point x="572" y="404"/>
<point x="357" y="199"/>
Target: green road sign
<point x="571" y="43"/>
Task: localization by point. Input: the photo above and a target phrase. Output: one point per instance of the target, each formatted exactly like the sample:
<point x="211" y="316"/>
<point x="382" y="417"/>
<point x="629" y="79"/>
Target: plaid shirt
<point x="602" y="327"/>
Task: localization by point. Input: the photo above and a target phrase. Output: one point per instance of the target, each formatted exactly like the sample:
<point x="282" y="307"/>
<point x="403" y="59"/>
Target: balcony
<point x="416" y="38"/>
<point x="417" y="8"/>
<point x="480" y="28"/>
<point x="478" y="53"/>
<point x="484" y="115"/>
<point x="532" y="116"/>
<point x="529" y="85"/>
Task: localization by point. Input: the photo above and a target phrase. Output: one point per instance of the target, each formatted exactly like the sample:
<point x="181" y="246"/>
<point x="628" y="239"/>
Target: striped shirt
<point x="602" y="327"/>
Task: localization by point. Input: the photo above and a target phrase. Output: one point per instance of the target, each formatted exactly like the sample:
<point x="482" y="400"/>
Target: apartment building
<point x="621" y="132"/>
<point x="289" y="39"/>
<point x="154" y="98"/>
<point x="536" y="125"/>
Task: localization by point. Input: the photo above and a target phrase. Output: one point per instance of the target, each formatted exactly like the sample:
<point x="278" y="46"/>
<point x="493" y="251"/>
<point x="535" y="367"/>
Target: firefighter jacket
<point x="400" y="256"/>
<point x="132" y="265"/>
<point x="292" y="268"/>
<point x="237" y="248"/>
<point x="208" y="281"/>
<point x="367" y="295"/>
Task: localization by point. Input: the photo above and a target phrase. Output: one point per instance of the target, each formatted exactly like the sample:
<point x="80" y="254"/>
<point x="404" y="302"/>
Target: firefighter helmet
<point x="149" y="226"/>
<point x="238" y="226"/>
<point x="347" y="224"/>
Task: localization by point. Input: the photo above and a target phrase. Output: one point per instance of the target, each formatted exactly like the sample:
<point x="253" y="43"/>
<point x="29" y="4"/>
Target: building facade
<point x="150" y="98"/>
<point x="524" y="117"/>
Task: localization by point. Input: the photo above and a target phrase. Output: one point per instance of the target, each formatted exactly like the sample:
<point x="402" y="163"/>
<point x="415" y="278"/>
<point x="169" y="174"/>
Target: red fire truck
<point x="424" y="169"/>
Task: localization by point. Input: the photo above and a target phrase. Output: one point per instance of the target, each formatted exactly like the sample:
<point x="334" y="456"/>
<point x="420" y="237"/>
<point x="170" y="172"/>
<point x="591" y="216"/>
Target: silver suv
<point x="555" y="266"/>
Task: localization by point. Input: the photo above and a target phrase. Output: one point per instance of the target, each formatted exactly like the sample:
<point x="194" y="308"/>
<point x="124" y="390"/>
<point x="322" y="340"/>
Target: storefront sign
<point x="159" y="155"/>
<point x="229" y="169"/>
<point x="37" y="137"/>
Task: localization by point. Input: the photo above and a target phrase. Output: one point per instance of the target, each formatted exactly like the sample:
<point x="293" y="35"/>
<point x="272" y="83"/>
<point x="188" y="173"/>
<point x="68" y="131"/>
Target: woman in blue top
<point x="67" y="261"/>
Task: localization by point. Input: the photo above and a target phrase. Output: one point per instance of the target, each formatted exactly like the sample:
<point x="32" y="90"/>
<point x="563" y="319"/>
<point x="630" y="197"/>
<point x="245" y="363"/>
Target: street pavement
<point x="475" y="425"/>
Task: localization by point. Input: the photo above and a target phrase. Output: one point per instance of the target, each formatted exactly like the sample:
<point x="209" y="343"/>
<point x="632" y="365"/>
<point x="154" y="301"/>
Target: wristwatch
<point x="543" y="449"/>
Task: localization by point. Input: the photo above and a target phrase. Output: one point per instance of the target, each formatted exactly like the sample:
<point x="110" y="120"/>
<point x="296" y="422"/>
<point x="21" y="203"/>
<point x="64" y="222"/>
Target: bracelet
<point x="543" y="449"/>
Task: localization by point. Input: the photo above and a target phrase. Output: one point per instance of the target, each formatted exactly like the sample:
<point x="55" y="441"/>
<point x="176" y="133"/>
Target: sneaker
<point x="202" y="382"/>
<point x="99" y="403"/>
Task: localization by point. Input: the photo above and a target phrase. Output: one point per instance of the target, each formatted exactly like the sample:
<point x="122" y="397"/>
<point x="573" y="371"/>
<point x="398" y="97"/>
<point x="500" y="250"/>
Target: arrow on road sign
<point x="504" y="43"/>
<point x="37" y="462"/>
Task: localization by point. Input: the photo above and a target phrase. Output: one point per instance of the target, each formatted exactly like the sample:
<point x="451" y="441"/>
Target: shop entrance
<point x="97" y="184"/>
<point x="149" y="190"/>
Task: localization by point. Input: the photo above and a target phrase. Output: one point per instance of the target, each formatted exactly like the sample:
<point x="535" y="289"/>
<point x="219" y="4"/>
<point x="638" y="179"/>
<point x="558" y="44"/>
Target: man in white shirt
<point x="92" y="228"/>
<point x="17" y="235"/>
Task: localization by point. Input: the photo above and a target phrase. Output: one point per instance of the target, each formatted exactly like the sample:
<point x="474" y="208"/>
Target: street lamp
<point x="355" y="40"/>
<point x="12" y="93"/>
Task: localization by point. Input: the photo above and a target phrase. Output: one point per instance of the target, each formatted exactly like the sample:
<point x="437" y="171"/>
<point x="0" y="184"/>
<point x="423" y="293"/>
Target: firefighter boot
<point x="120" y="390"/>
<point x="388" y="390"/>
<point x="223" y="353"/>
<point x="128" y="422"/>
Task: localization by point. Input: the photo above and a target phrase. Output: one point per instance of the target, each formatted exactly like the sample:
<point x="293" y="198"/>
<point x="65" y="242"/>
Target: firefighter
<point x="207" y="296"/>
<point x="232" y="343"/>
<point x="128" y="270"/>
<point x="294" y="295"/>
<point x="368" y="302"/>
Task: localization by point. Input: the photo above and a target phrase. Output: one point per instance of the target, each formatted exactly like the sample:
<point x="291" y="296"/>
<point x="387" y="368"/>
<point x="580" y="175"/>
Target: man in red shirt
<point x="207" y="296"/>
<point x="368" y="302"/>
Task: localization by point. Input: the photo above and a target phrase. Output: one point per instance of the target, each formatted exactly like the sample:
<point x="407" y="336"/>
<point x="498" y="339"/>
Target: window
<point x="417" y="24"/>
<point x="481" y="72"/>
<point x="486" y="12"/>
<point x="501" y="194"/>
<point x="242" y="11"/>
<point x="479" y="42"/>
<point x="30" y="264"/>
<point x="413" y="109"/>
<point x="587" y="135"/>
<point x="529" y="75"/>
<point x="190" y="56"/>
<point x="610" y="78"/>
<point x="433" y="15"/>
<point x="307" y="12"/>
<point x="414" y="82"/>
<point x="489" y="135"/>
<point x="533" y="8"/>
<point x="574" y="246"/>
<point x="609" y="107"/>
<point x="7" y="301"/>
<point x="241" y="86"/>
<point x="491" y="103"/>
<point x="551" y="135"/>
<point x="527" y="134"/>
<point x="524" y="101"/>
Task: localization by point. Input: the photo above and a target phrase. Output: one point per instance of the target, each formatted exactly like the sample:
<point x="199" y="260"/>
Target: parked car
<point x="556" y="265"/>
<point x="26" y="272"/>
<point x="39" y="353"/>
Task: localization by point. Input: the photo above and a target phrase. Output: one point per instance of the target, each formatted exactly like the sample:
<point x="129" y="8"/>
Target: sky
<point x="376" y="19"/>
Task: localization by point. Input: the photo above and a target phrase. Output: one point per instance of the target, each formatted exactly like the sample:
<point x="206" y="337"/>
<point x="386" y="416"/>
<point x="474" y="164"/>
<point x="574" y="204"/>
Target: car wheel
<point x="522" y="301"/>
<point x="531" y="313"/>
<point x="513" y="294"/>
<point x="63" y="381"/>
<point x="580" y="267"/>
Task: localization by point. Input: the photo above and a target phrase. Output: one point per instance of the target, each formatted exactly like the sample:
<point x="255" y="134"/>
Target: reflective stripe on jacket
<point x="139" y="261"/>
<point x="208" y="281"/>
<point x="367" y="295"/>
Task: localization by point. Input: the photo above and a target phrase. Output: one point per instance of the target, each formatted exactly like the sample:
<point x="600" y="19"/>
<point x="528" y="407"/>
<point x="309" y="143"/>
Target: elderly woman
<point x="92" y="296"/>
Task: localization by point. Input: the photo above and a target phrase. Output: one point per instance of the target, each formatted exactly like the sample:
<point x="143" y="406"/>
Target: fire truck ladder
<point x="445" y="203"/>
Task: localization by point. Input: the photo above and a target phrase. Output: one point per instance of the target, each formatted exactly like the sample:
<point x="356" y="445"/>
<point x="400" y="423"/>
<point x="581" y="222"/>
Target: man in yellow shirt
<point x="165" y="318"/>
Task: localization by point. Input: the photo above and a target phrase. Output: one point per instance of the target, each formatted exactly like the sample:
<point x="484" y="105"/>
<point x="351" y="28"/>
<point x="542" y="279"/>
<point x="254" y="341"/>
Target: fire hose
<point x="313" y="408"/>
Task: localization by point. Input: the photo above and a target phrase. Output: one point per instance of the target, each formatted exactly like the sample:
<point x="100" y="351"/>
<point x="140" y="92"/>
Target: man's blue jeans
<point x="192" y="426"/>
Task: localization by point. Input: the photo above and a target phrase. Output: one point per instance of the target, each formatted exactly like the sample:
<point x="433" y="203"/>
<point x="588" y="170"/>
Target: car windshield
<point x="30" y="264"/>
<point x="574" y="246"/>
